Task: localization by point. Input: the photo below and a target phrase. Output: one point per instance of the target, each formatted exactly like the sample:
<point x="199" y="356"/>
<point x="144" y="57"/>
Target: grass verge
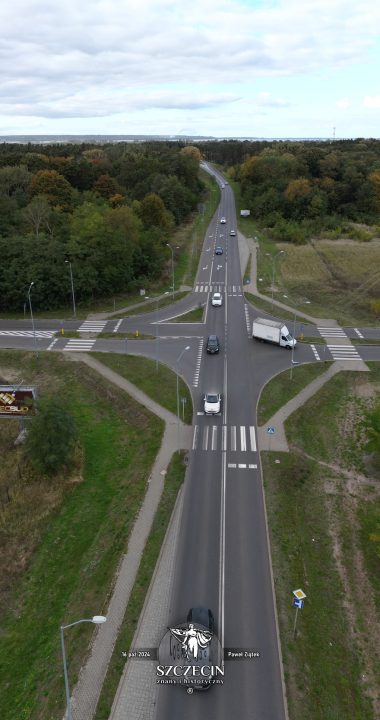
<point x="77" y="537"/>
<point x="281" y="389"/>
<point x="156" y="380"/>
<point x="173" y="481"/>
<point x="192" y="316"/>
<point x="324" y="532"/>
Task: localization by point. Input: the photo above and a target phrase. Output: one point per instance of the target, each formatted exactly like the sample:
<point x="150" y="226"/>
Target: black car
<point x="202" y="616"/>
<point x="218" y="250"/>
<point x="212" y="344"/>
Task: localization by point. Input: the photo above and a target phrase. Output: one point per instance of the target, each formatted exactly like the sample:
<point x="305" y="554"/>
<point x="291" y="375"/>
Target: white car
<point x="233" y="233"/>
<point x="217" y="299"/>
<point x="222" y="186"/>
<point x="212" y="403"/>
<point x="223" y="220"/>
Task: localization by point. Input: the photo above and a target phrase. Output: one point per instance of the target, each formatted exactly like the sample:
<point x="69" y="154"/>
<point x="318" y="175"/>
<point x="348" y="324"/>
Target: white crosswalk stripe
<point x="247" y="320"/>
<point x="344" y="352"/>
<point x="215" y="437"/>
<point x="29" y="333"/>
<point x="198" y="363"/>
<point x="315" y="351"/>
<point x="79" y="345"/>
<point x="329" y="332"/>
<point x="93" y="326"/>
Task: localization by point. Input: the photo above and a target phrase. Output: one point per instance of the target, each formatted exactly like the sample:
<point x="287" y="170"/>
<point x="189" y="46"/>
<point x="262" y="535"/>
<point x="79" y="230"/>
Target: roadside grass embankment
<point x="323" y="506"/>
<point x="173" y="481"/>
<point x="155" y="379"/>
<point x="278" y="391"/>
<point x="192" y="316"/>
<point x="62" y="538"/>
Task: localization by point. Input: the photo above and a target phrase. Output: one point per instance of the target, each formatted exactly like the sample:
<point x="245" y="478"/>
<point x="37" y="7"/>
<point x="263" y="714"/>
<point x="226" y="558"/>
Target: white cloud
<point x="372" y="101"/>
<point x="343" y="104"/>
<point x="102" y="57"/>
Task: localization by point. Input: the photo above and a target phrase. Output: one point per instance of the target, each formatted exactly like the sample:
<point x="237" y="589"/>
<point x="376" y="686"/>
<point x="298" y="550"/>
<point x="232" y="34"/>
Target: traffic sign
<point x="271" y="430"/>
<point x="298" y="603"/>
<point x="299" y="594"/>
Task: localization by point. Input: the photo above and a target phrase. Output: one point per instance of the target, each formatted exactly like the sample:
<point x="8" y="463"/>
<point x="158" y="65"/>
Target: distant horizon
<point x="46" y="137"/>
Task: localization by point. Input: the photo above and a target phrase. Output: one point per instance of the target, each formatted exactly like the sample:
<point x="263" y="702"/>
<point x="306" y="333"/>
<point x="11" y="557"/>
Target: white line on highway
<point x="213" y="437"/>
<point x="233" y="437"/>
<point x="224" y="438"/>
<point x="253" y="467"/>
<point x="252" y="437"/>
<point x="52" y="344"/>
<point x="117" y="325"/>
<point x="205" y="438"/>
<point x="232" y="465"/>
<point x="195" y="436"/>
<point x="242" y="465"/>
<point x="243" y="440"/>
<point x="359" y="333"/>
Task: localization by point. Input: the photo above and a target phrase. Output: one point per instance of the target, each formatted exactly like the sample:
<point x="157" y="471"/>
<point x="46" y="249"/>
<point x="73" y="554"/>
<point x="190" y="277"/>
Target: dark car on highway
<point x="212" y="344"/>
<point x="218" y="250"/>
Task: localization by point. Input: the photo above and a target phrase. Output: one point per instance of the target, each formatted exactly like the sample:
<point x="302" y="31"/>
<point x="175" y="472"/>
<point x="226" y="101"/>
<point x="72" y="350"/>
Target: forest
<point x="107" y="209"/>
<point x="299" y="189"/>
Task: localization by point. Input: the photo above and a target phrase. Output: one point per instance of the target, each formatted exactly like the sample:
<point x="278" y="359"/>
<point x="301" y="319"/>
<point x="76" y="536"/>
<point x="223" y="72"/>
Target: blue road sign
<point x="271" y="430"/>
<point x="298" y="603"/>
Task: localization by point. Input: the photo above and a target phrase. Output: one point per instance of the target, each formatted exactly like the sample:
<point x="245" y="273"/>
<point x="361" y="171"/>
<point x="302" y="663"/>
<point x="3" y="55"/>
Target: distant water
<point x="77" y="139"/>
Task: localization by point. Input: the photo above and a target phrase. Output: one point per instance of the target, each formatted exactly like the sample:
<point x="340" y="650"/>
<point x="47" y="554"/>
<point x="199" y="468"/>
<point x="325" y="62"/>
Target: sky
<point x="221" y="68"/>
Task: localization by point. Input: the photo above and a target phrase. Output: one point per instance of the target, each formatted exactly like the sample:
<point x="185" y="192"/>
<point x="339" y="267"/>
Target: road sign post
<point x="298" y="603"/>
<point x="271" y="431"/>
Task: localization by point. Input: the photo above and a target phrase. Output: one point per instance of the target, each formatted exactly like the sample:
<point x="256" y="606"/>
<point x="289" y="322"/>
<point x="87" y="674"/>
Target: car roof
<point x="212" y="337"/>
<point x="201" y="616"/>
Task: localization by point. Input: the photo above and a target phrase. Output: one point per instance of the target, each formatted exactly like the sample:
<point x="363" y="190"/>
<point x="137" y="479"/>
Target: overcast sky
<point x="269" y="68"/>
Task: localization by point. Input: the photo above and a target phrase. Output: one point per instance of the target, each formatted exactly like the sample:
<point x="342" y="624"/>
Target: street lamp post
<point x="31" y="315"/>
<point x="97" y="620"/>
<point x="172" y="252"/>
<point x="72" y="286"/>
<point x="280" y="252"/>
<point x="178" y="361"/>
<point x="307" y="302"/>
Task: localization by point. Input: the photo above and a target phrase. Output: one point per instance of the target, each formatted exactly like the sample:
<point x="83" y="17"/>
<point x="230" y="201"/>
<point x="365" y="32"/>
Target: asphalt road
<point x="222" y="560"/>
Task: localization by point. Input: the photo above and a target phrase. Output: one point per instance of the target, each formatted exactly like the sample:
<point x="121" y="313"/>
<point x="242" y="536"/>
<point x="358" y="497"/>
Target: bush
<point x="51" y="438"/>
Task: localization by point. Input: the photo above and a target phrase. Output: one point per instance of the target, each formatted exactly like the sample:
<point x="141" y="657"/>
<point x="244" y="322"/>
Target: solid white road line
<point x="243" y="440"/>
<point x="252" y="438"/>
<point x="233" y="437"/>
<point x="213" y="437"/>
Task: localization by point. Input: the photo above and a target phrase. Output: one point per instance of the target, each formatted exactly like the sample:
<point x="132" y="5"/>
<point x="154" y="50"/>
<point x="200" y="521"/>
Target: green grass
<point x="192" y="316"/>
<point x="273" y="310"/>
<point x="80" y="544"/>
<point x="173" y="481"/>
<point x="278" y="391"/>
<point x="322" y="667"/>
<point x="320" y="427"/>
<point x="160" y="385"/>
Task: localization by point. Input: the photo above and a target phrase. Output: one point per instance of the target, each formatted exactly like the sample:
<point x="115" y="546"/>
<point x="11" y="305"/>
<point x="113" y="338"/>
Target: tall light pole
<point x="178" y="361"/>
<point x="31" y="315"/>
<point x="98" y="620"/>
<point x="68" y="262"/>
<point x="172" y="252"/>
<point x="307" y="302"/>
<point x="280" y="252"/>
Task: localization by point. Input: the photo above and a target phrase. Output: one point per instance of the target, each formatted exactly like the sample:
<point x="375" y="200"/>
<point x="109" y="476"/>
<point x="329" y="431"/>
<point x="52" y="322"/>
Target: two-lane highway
<point x="223" y="560"/>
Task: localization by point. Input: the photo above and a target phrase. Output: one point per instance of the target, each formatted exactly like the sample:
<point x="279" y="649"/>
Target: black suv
<point x="212" y="344"/>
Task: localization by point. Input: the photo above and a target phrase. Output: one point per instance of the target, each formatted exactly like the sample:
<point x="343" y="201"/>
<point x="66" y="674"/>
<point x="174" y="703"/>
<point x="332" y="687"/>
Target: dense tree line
<point x="302" y="188"/>
<point x="110" y="209"/>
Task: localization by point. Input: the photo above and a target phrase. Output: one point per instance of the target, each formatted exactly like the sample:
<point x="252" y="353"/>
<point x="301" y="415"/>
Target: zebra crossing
<point x="231" y="290"/>
<point x="236" y="438"/>
<point x="29" y="333"/>
<point x="198" y="363"/>
<point x="93" y="326"/>
<point x="217" y="287"/>
<point x="247" y="320"/>
<point x="339" y="351"/>
<point x="78" y="345"/>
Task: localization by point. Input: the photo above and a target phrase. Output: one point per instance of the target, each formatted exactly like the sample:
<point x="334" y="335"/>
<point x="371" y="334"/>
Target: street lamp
<point x="307" y="302"/>
<point x="172" y="252"/>
<point x="72" y="286"/>
<point x="280" y="252"/>
<point x="31" y="315"/>
<point x="178" y="361"/>
<point x="97" y="620"/>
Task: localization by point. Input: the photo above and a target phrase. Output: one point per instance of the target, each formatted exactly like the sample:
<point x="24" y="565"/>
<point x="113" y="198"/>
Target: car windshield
<point x="211" y="398"/>
<point x="216" y="296"/>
